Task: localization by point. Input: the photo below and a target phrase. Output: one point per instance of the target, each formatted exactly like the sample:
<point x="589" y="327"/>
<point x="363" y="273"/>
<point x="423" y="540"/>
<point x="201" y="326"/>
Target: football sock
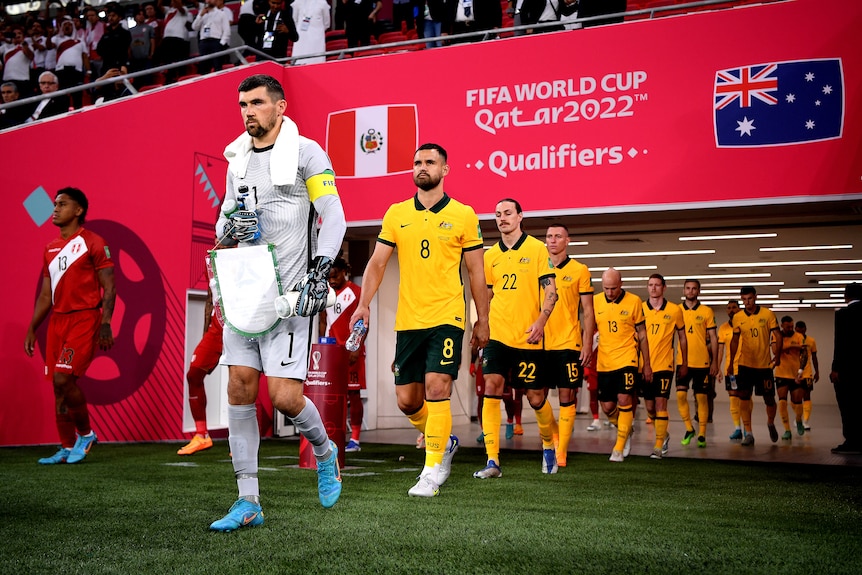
<point x="438" y="427"/>
<point x="702" y="412"/>
<point x="546" y="423"/>
<point x="420" y="417"/>
<point x="798" y="410"/>
<point x="614" y="415"/>
<point x="357" y="412"/>
<point x="624" y="425"/>
<point x="806" y="409"/>
<point x="745" y="406"/>
<point x="661" y="422"/>
<point x="684" y="410"/>
<point x="566" y="424"/>
<point x="244" y="441"/>
<point x="785" y="417"/>
<point x="309" y="424"/>
<point x="198" y="399"/>
<point x="734" y="411"/>
<point x="491" y="419"/>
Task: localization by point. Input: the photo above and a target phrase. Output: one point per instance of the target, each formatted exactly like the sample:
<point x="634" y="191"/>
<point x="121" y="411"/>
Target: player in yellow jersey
<point x="809" y="376"/>
<point x="702" y="362"/>
<point x="757" y="338"/>
<point x="789" y="374"/>
<point x="663" y="319"/>
<point x="725" y="334"/>
<point x="520" y="280"/>
<point x="432" y="233"/>
<point x="567" y="350"/>
<point x="622" y="333"/>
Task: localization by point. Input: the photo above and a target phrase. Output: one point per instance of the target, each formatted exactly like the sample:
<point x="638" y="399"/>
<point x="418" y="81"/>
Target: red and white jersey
<point x="72" y="265"/>
<point x="338" y="316"/>
<point x="175" y="24"/>
<point x="16" y="64"/>
<point x="70" y="52"/>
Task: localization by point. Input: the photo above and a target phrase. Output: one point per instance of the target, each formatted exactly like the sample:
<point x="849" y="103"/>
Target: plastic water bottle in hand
<point x="355" y="339"/>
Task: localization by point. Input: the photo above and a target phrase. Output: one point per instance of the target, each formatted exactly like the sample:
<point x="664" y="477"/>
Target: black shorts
<point x="617" y="382"/>
<point x="522" y="364"/>
<point x="659" y="386"/>
<point x="563" y="368"/>
<point x="697" y="378"/>
<point x="790" y="384"/>
<point x="760" y="380"/>
<point x="432" y="350"/>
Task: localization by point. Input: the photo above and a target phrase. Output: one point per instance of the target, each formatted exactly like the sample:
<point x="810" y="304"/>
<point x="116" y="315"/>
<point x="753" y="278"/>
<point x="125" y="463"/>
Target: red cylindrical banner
<point x="326" y="386"/>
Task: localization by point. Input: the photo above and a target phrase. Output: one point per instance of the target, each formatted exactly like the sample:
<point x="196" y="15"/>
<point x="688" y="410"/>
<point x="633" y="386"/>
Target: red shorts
<point x="72" y="342"/>
<point x="356" y="375"/>
<point x="208" y="350"/>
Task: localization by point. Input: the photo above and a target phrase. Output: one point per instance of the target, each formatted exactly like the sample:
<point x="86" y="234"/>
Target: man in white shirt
<point x="73" y="61"/>
<point x="174" y="46"/>
<point x="213" y="28"/>
<point x="17" y="57"/>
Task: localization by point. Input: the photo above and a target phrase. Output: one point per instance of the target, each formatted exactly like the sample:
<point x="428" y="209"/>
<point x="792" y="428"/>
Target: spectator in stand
<point x="42" y="51"/>
<point x="17" y="59"/>
<point x="277" y="28"/>
<point x="73" y="63"/>
<point x="590" y="8"/>
<point x="154" y="18"/>
<point x="113" y="91"/>
<point x="113" y="47"/>
<point x="213" y="28"/>
<point x="312" y="20"/>
<point x="93" y="31"/>
<point x="174" y="46"/>
<point x="10" y="117"/>
<point x="48" y="107"/>
<point x="433" y="16"/>
<point x="247" y="27"/>
<point x="143" y="44"/>
<point x="359" y="19"/>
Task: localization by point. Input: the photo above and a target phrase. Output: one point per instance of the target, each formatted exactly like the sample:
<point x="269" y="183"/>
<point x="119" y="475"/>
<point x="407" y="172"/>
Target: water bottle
<point x="355" y="339"/>
<point x="732" y="379"/>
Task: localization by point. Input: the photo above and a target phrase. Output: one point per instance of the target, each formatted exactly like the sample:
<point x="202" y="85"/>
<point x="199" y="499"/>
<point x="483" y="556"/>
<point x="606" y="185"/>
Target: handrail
<point x="240" y="51"/>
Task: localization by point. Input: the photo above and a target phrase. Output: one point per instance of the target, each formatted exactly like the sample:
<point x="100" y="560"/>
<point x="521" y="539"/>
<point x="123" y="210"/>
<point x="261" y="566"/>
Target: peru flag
<point x="372" y="141"/>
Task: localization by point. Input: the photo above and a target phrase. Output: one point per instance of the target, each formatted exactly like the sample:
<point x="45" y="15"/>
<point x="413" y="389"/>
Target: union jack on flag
<point x="746" y="83"/>
<point x="779" y="103"/>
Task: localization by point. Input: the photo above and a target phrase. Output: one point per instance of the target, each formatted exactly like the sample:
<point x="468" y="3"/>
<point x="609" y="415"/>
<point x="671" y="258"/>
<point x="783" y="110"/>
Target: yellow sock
<point x="702" y="412"/>
<point x="782" y="411"/>
<point x="745" y="413"/>
<point x="624" y="426"/>
<point x="684" y="411"/>
<point x="420" y="418"/>
<point x="798" y="410"/>
<point x="491" y="419"/>
<point x="661" y="422"/>
<point x="566" y="425"/>
<point x="614" y="416"/>
<point x="734" y="411"/>
<point x="438" y="427"/>
<point x="546" y="421"/>
<point x="806" y="410"/>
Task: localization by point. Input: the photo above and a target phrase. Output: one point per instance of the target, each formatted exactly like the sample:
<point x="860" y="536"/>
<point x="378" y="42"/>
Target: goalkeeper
<point x="281" y="183"/>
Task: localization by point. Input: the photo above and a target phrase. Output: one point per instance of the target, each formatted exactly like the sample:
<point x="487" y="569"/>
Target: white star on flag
<point x="745" y="126"/>
<point x="827" y="89"/>
<point x="809" y="124"/>
<point x="809" y="77"/>
<point x="790" y="98"/>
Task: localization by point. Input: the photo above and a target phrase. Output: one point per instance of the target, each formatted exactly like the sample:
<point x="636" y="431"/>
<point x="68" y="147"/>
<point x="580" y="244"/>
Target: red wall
<point x="153" y="170"/>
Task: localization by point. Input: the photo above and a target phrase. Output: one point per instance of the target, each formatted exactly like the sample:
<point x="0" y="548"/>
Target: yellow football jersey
<point x="698" y="320"/>
<point x="755" y="336"/>
<point x="791" y="350"/>
<point x="430" y="245"/>
<point x="617" y="323"/>
<point x="661" y="325"/>
<point x="563" y="330"/>
<point x="514" y="275"/>
<point x="811" y="345"/>
<point x="725" y="334"/>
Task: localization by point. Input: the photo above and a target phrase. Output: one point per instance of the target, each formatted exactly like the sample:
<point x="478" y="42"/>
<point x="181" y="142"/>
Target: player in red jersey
<point x="335" y="322"/>
<point x="78" y="283"/>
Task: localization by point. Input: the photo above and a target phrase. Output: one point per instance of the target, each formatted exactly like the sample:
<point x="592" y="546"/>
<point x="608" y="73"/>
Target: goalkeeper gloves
<point x="243" y="226"/>
<point x="314" y="288"/>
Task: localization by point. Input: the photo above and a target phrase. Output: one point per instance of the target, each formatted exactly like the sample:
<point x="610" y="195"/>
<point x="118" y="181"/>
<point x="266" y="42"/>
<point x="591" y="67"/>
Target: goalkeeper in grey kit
<point x="281" y="183"/>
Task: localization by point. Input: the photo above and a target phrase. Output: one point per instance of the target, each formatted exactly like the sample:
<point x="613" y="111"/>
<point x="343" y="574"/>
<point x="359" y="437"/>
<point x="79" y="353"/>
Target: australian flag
<point x="779" y="103"/>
